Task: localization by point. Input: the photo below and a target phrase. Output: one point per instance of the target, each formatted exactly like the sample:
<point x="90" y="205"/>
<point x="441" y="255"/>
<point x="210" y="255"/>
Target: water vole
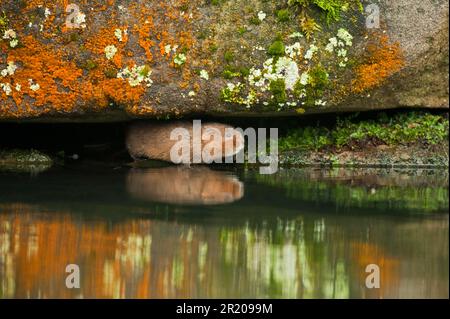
<point x="153" y="140"/>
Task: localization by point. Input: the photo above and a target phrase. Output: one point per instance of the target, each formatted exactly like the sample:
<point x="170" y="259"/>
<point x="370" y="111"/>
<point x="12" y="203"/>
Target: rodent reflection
<point x="183" y="185"/>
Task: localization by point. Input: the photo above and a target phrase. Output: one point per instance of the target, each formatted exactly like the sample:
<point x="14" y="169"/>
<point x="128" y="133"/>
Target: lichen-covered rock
<point x="17" y="160"/>
<point x="116" y="59"/>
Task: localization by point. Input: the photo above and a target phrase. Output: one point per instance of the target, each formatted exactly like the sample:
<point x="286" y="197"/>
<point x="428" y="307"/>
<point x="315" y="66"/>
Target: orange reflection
<point x="182" y="185"/>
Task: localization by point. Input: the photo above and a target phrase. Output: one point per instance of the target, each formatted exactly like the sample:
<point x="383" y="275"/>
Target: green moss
<point x="213" y="48"/>
<point x="242" y="30"/>
<point x="276" y="49"/>
<point x="231" y="72"/>
<point x="255" y="20"/>
<point x="4" y="22"/>
<point x="233" y="94"/>
<point x="217" y="2"/>
<point x="110" y="73"/>
<point x="318" y="82"/>
<point x="227" y="74"/>
<point x="228" y="56"/>
<point x="89" y="65"/>
<point x="403" y="128"/>
<point x="283" y="15"/>
<point x="145" y="71"/>
<point x="318" y="77"/>
<point x="244" y="71"/>
<point x="398" y="129"/>
<point x="278" y="90"/>
<point x="307" y="138"/>
<point x="333" y="9"/>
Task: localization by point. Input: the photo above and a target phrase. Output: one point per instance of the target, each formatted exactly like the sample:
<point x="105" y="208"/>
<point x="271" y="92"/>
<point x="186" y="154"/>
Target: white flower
<point x="6" y="88"/>
<point x="80" y="19"/>
<point x="137" y="75"/>
<point x="310" y="53"/>
<point x="204" y="75"/>
<point x="293" y="50"/>
<point x="10" y="69"/>
<point x="261" y="15"/>
<point x="342" y="53"/>
<point x="18" y="87"/>
<point x="110" y="51"/>
<point x="345" y="36"/>
<point x="13" y="43"/>
<point x="332" y="43"/>
<point x="191" y="93"/>
<point x="288" y="70"/>
<point x="118" y="34"/>
<point x="9" y="34"/>
<point x="33" y="86"/>
<point x="167" y="49"/>
<point x="47" y="12"/>
<point x="304" y="78"/>
<point x="320" y="103"/>
<point x="180" y="59"/>
<point x="296" y="35"/>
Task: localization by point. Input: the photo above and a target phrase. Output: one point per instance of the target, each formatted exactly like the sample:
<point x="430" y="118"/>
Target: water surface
<point x="203" y="233"/>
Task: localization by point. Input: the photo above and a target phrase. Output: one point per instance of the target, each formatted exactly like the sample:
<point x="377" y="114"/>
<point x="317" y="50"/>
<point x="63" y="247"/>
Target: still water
<point x="171" y="232"/>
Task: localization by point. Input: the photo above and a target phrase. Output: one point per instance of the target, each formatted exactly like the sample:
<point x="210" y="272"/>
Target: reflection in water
<point x="380" y="189"/>
<point x="255" y="247"/>
<point x="183" y="185"/>
<point x="299" y="258"/>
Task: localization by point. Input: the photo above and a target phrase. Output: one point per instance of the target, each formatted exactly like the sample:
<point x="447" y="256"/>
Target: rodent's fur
<point x="152" y="140"/>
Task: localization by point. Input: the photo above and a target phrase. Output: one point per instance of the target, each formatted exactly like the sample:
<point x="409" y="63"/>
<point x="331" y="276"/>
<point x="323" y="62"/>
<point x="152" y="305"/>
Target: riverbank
<point x="411" y="139"/>
<point x="414" y="139"/>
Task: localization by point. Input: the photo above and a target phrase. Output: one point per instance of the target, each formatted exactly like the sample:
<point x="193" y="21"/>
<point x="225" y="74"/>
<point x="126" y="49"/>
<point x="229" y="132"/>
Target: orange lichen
<point x="57" y="79"/>
<point x="383" y="60"/>
<point x="106" y="37"/>
<point x="71" y="67"/>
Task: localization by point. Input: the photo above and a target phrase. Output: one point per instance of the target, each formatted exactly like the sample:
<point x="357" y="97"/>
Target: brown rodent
<point x="152" y="140"/>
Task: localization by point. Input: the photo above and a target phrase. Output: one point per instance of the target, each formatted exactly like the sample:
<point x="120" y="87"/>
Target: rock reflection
<point x="305" y="257"/>
<point x="183" y="185"/>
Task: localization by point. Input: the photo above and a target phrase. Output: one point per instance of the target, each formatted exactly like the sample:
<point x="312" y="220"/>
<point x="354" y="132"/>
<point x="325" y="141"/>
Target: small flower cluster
<point x="33" y="86"/>
<point x="311" y="51"/>
<point x="119" y="34"/>
<point x="110" y="51"/>
<point x="12" y="37"/>
<point x="180" y="59"/>
<point x="262" y="15"/>
<point x="339" y="43"/>
<point x="8" y="71"/>
<point x="137" y="75"/>
<point x="232" y="94"/>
